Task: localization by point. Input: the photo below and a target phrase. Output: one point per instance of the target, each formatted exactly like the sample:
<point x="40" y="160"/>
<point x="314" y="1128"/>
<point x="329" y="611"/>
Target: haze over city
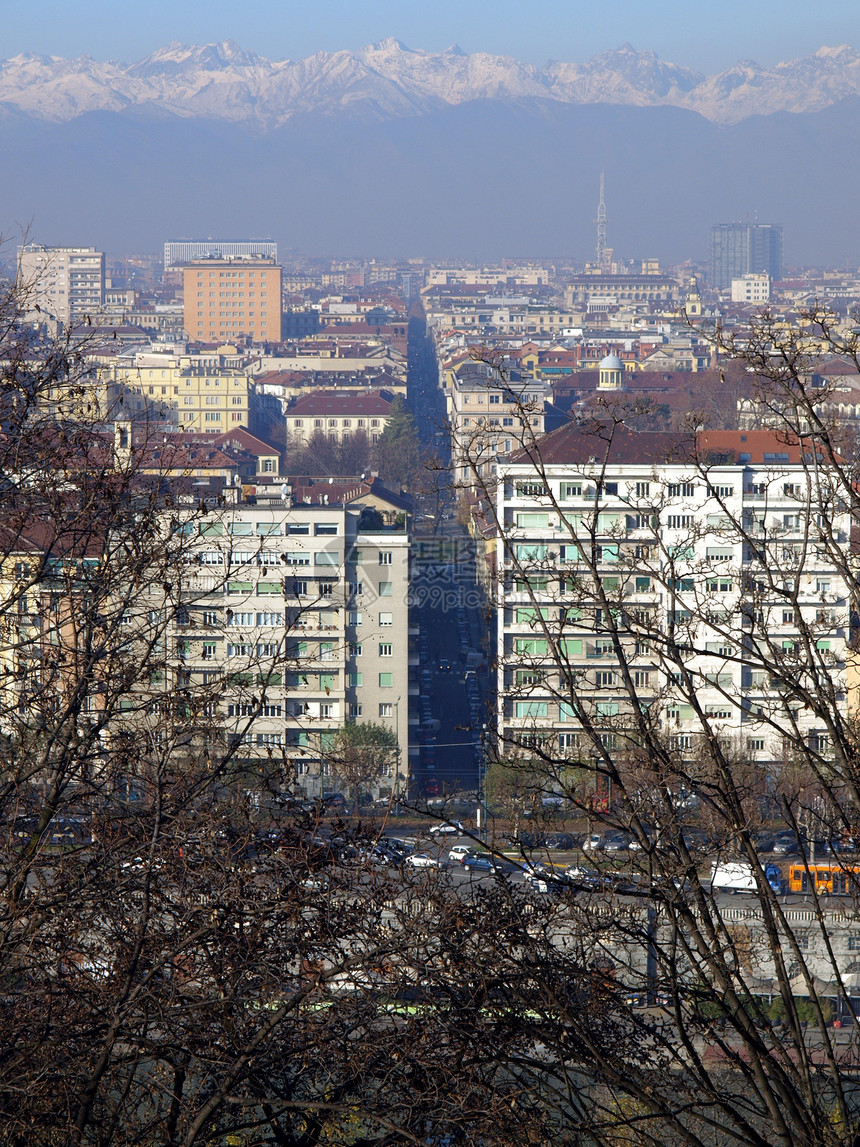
<point x="363" y="162"/>
<point x="429" y="594"/>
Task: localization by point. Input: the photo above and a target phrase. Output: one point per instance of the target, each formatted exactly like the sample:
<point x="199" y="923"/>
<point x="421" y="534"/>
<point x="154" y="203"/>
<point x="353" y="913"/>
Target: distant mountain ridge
<point x="388" y="80"/>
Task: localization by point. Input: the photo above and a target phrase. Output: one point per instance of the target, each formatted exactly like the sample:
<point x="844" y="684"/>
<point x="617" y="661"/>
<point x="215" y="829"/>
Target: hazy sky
<point x="703" y="35"/>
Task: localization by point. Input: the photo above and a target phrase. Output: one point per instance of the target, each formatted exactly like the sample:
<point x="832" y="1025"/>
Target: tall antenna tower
<point x="601" y="228"/>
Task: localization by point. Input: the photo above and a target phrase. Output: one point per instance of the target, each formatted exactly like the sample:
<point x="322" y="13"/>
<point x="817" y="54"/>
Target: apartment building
<point x="64" y="283"/>
<point x="491" y="414"/>
<point x="198" y="393"/>
<point x="707" y="581"/>
<point x="301" y="611"/>
<point x="338" y="415"/>
<point x="752" y="288"/>
<point x="232" y="297"/>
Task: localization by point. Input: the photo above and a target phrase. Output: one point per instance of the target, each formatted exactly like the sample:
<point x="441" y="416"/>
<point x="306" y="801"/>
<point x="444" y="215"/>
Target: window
<point x="356" y="588"/>
<point x="757" y="744"/>
<point x="604" y="677"/>
<point x="788" y="617"/>
<point x="533" y="521"/>
<point x="386" y="589"/>
<point x="386" y="619"/>
<point x="268" y="738"/>
<point x="325" y="528"/>
<point x="679" y="521"/>
<point x="530" y="708"/>
<point x="530" y="552"/>
<point x="530" y="490"/>
<point x="327" y="712"/>
<point x="642" y="584"/>
<point x="531" y="646"/>
<point x="211" y="617"/>
<point x="642" y="677"/>
<point x="355" y="709"/>
<point x="211" y="557"/>
<point x="571" y="490"/>
<point x="642" y="489"/>
<point x="606" y="708"/>
<point x="356" y="679"/>
<point x="386" y="649"/>
<point x="298" y="588"/>
<point x="386" y="680"/>
<point x="822" y="585"/>
<point x="681" y="489"/>
<point x="240" y="618"/>
<point x="386" y="709"/>
<point x="719" y="585"/>
<point x="355" y="649"/>
<point x="245" y="709"/>
<point x="385" y="557"/>
<point x="356" y="617"/>
<point x="325" y="559"/>
<point x="270" y="619"/>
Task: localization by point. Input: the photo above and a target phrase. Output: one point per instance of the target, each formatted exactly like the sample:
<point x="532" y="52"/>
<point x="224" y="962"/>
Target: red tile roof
<point x="321" y="402"/>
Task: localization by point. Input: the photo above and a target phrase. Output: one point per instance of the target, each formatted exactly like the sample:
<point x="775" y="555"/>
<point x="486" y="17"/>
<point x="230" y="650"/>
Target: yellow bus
<point x="830" y="879"/>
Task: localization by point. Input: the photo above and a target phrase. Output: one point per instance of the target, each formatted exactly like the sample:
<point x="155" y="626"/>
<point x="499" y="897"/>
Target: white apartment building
<point x="753" y="288"/>
<point x="491" y="413"/>
<point x="302" y="613"/>
<point x="703" y="580"/>
<point x="64" y="283"/>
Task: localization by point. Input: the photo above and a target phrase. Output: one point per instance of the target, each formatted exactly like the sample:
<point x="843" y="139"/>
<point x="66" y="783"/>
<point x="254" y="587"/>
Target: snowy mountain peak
<point x="388" y="80"/>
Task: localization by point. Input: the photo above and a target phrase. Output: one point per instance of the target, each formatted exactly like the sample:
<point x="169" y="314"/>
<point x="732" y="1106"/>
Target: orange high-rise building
<point x="226" y="298"/>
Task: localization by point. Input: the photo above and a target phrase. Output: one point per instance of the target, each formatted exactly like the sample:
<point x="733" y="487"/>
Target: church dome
<point x="611" y="362"/>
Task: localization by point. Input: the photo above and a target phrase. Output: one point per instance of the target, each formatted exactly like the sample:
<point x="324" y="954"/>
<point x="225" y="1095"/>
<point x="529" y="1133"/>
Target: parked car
<point x="616" y="842"/>
<point x="785" y="843"/>
<point x="592" y="842"/>
<point x="447" y="828"/>
<point x="459" y="853"/>
<point x="560" y="840"/>
<point x="482" y="863"/>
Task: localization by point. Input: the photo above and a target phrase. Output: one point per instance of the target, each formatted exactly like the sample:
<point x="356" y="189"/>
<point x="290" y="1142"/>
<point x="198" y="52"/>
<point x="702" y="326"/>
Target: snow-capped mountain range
<point x="389" y="80"/>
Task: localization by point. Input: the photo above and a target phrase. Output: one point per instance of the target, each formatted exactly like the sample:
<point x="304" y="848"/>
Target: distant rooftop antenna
<point x="601" y="228"/>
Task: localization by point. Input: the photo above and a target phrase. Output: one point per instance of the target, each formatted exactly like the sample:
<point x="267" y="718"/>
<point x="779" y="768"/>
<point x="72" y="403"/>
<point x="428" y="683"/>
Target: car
<point x="481" y="863"/>
<point x="459" y="853"/>
<point x="423" y="860"/>
<point x="616" y="842"/>
<point x="444" y="665"/>
<point x="560" y="840"/>
<point x="447" y="828"/>
<point x="548" y="883"/>
<point x="592" y="842"/>
<point x="785" y="843"/>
